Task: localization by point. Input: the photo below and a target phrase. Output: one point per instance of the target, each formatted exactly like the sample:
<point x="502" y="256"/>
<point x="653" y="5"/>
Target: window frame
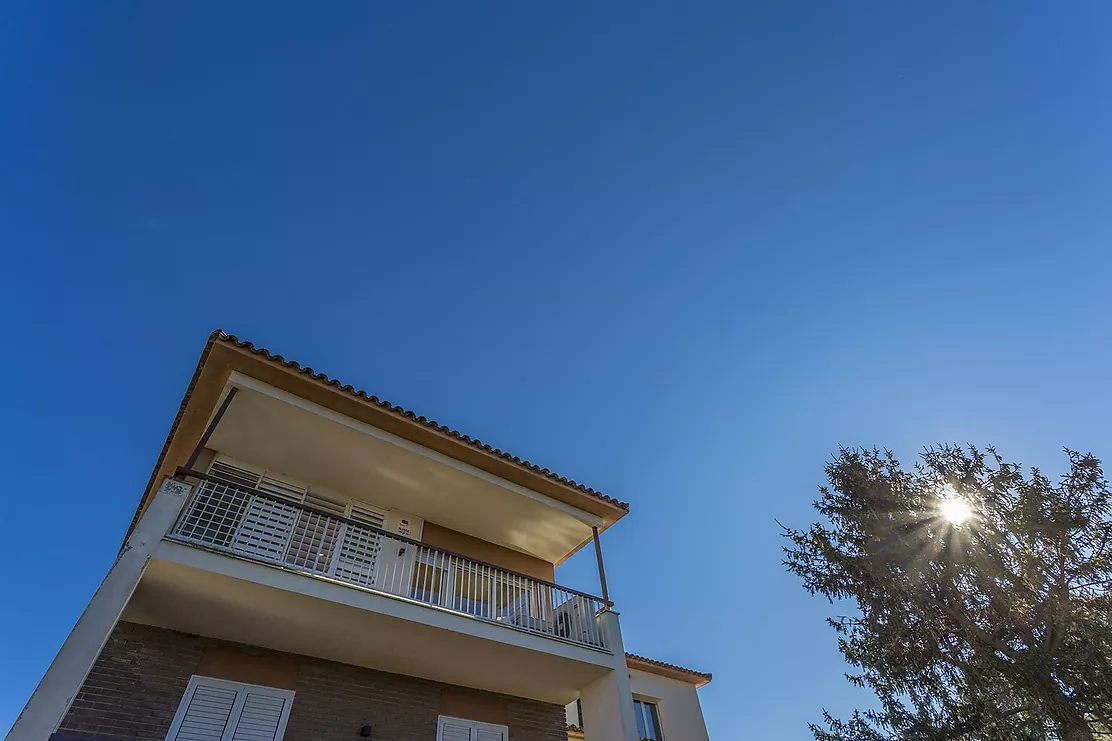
<point x="474" y="724"/>
<point x="650" y="719"/>
<point x="198" y="680"/>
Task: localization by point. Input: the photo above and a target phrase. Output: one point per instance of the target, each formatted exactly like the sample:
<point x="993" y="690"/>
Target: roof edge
<point x="170" y="435"/>
<point x="672" y="671"/>
<point x="221" y="336"/>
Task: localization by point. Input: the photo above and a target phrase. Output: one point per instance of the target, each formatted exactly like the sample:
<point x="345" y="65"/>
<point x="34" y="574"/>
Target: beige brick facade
<point x="134" y="689"/>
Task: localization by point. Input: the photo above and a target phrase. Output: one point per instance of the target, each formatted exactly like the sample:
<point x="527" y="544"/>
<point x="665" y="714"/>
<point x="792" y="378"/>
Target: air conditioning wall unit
<point x="576" y="620"/>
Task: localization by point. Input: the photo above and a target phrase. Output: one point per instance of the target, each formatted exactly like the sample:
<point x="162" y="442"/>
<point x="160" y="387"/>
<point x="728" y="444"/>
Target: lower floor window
<point x="219" y="710"/>
<point x="648" y="721"/>
<point x="461" y="729"/>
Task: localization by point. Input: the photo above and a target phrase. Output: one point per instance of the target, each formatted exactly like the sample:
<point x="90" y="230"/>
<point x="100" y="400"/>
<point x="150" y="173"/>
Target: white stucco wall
<point x="681" y="715"/>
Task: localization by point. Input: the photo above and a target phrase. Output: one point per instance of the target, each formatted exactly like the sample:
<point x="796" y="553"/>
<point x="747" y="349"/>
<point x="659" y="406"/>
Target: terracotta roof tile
<point x="221" y="336"/>
<point x="705" y="676"/>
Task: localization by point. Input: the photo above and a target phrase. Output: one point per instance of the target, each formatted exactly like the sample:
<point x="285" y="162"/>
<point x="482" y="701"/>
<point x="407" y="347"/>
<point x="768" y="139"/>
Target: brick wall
<point x="334" y="701"/>
<point x="530" y="720"/>
<point x="137" y="683"/>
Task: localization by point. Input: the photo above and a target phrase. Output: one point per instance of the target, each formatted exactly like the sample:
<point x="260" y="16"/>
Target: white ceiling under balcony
<point x="280" y="432"/>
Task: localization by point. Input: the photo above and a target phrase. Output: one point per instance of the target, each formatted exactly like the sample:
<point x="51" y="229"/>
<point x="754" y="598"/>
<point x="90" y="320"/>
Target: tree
<point x="998" y="627"/>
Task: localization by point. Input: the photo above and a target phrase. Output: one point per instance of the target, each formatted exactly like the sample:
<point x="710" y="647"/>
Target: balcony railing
<point x="264" y="527"/>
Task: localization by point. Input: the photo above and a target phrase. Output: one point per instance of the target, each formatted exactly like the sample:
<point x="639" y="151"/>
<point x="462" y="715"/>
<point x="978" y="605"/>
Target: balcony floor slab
<point x="212" y="594"/>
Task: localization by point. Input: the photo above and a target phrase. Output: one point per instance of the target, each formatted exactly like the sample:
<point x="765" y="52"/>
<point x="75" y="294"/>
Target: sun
<point x="955" y="509"/>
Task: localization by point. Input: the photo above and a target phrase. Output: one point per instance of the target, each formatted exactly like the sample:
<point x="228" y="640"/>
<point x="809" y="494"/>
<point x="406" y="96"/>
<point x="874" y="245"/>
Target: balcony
<point x="263" y="527"/>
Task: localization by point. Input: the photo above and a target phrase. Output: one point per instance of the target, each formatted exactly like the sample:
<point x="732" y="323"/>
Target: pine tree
<point x="996" y="627"/>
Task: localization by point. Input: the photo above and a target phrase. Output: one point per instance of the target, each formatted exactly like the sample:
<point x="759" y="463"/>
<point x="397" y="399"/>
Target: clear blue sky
<point x="679" y="253"/>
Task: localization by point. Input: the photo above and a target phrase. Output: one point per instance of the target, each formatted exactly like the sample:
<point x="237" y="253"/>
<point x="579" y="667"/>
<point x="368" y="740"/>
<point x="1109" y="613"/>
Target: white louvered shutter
<point x="235" y="472"/>
<point x="281" y="487"/>
<point x="279" y="530"/>
<point x="454" y="729"/>
<point x="489" y="732"/>
<point x="265" y="529"/>
<point x="314" y="539"/>
<point x="360" y="546"/>
<point x="217" y="508"/>
<point x="214" y="513"/>
<point x="219" y="710"/>
<point x="206" y="715"/>
<point x="267" y="524"/>
<point x="461" y="729"/>
<point x="260" y="717"/>
<point x="254" y="532"/>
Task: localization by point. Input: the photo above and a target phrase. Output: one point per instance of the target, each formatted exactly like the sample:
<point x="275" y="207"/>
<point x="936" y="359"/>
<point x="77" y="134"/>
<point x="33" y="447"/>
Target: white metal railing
<point x="265" y="527"/>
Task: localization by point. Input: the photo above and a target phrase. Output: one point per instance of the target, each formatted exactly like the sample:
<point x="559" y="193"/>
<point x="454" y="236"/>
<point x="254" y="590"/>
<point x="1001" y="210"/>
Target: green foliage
<point x="998" y="628"/>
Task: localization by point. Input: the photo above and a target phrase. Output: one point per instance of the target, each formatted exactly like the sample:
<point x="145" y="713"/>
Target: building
<point x="666" y="704"/>
<point x="311" y="563"/>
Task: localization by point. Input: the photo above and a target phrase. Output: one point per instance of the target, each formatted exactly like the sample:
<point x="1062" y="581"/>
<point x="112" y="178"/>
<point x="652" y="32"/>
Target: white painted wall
<point x="681" y="715"/>
<point x="607" y="702"/>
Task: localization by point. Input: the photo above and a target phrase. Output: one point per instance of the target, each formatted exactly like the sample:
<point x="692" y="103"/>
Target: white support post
<point x="607" y="702"/>
<point x="50" y="701"/>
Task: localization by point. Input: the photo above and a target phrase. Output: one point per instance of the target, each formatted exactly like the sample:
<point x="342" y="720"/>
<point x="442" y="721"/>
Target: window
<point x="218" y="710"/>
<point x="461" y="729"/>
<point x="648" y="720"/>
<point x="277" y="530"/>
<point x="296" y="492"/>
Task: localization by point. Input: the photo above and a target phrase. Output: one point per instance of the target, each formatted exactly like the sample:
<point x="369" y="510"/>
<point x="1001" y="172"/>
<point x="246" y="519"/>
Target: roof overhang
<point x="226" y="362"/>
<point x="284" y="433"/>
<point x="671" y="671"/>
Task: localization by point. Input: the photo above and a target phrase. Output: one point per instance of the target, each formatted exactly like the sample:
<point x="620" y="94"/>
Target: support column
<point x="607" y="702"/>
<point x="50" y="701"/>
<point x="601" y="568"/>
